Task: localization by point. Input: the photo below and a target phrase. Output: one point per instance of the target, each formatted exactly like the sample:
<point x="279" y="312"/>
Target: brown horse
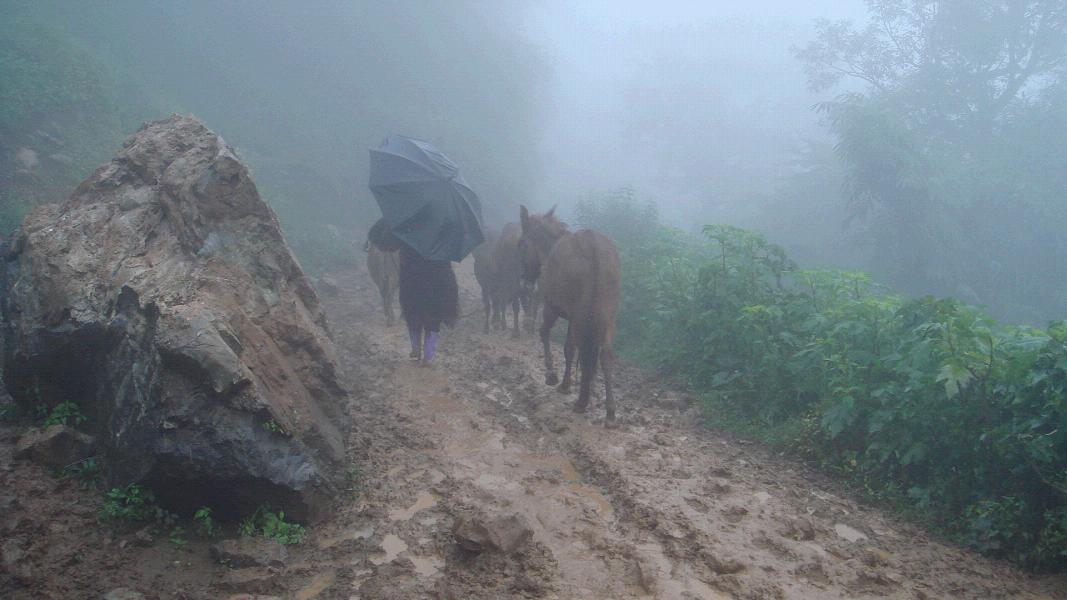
<point x="384" y="268"/>
<point x="579" y="278"/>
<point x="498" y="269"/>
<point x="507" y="278"/>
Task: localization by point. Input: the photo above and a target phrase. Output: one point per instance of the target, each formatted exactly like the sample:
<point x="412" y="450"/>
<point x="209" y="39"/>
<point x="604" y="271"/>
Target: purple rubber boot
<point x="430" y="348"/>
<point x="415" y="334"/>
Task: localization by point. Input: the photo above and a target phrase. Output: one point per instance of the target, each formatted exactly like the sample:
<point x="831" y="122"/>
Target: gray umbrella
<point x="424" y="199"/>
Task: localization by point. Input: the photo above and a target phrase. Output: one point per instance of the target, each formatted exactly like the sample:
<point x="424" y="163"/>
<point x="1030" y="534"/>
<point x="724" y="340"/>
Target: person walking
<point x="433" y="218"/>
<point x="429" y="294"/>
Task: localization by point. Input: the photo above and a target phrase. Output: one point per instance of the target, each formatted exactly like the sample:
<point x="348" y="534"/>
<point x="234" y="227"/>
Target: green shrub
<point x="925" y="403"/>
<point x="65" y="413"/>
<point x="271" y="525"/>
<point x="205" y="523"/>
<point x="87" y="472"/>
<point x="133" y="504"/>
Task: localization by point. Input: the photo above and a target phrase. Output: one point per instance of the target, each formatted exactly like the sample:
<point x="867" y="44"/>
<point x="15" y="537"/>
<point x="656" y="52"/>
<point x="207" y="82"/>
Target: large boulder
<point x="162" y="299"/>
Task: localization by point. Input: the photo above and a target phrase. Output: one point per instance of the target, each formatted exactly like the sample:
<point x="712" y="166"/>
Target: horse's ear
<point x="551" y="211"/>
<point x="524" y="217"/>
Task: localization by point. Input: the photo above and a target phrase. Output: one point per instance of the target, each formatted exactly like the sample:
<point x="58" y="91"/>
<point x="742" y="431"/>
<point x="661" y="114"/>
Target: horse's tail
<point x="589" y="334"/>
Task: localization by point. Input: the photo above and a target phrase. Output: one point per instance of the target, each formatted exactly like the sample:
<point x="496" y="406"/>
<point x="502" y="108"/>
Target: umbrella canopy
<point x="424" y="199"/>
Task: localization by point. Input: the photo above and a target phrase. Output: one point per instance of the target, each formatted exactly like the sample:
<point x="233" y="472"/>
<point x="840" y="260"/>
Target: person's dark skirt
<point x="429" y="294"/>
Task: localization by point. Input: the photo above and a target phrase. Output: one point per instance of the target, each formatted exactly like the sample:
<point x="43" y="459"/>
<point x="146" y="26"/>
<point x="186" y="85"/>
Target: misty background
<point x="714" y="112"/>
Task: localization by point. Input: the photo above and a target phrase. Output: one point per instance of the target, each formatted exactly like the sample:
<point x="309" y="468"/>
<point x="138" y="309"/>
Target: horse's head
<point x="539" y="234"/>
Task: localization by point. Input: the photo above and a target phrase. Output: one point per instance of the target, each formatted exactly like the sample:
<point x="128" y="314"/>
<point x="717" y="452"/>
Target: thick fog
<point x="707" y="109"/>
<point x="697" y="105"/>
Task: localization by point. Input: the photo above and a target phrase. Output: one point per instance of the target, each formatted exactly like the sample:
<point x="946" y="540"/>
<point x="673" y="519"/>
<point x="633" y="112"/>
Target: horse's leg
<point x="487" y="303"/>
<point x="387" y="303"/>
<point x="568" y="360"/>
<point x="550" y="316"/>
<point x="515" y="310"/>
<point x="527" y="318"/>
<point x="607" y="361"/>
<point x="498" y="319"/>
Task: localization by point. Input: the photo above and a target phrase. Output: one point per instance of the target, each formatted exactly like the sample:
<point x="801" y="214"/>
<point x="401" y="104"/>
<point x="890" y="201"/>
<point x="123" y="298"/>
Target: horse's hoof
<point x="564" y="388"/>
<point x="580" y="408"/>
<point x="415" y="354"/>
<point x="611" y="423"/>
<point x="551" y="379"/>
<point x="515" y="334"/>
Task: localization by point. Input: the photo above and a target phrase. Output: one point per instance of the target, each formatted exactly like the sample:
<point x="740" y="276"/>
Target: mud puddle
<point x="392" y="546"/>
<point x="425" y="499"/>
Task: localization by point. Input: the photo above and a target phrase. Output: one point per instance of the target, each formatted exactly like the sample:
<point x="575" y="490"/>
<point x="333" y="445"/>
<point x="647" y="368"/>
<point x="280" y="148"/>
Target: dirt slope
<point x="657" y="508"/>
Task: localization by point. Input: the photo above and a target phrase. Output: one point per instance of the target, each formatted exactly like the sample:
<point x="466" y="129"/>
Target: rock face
<point x="163" y="300"/>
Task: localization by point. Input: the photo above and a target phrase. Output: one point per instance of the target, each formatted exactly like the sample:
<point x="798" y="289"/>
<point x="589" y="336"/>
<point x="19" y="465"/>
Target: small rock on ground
<point x="506" y="533"/>
<point x="250" y="552"/>
<point x="55" y="446"/>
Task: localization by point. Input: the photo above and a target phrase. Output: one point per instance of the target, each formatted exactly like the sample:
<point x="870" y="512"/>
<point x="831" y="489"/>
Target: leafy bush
<point x="273" y="427"/>
<point x="925" y="403"/>
<point x="87" y="472"/>
<point x="133" y="504"/>
<point x="65" y="413"/>
<point x="205" y="523"/>
<point x="272" y="525"/>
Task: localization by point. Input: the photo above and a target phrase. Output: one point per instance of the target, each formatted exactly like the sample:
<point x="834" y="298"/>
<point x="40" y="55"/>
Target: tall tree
<point x="948" y="63"/>
<point x="932" y="138"/>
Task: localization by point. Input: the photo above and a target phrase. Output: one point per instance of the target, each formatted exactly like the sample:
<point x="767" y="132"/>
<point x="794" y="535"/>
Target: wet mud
<point x="655" y="508"/>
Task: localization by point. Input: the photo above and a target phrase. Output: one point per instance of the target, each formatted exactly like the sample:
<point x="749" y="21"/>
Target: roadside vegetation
<point x="62" y="113"/>
<point x="925" y="403"/>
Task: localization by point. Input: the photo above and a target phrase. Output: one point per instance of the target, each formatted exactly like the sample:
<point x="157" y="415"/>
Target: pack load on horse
<point x="578" y="275"/>
<point x="432" y="218"/>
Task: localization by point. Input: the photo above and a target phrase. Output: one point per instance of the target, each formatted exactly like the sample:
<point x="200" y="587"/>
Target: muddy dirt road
<point x="657" y="508"/>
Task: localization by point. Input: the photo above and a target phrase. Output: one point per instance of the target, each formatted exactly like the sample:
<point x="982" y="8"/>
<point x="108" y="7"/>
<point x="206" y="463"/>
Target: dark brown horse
<point x="507" y="278"/>
<point x="579" y="279"/>
<point x="498" y="269"/>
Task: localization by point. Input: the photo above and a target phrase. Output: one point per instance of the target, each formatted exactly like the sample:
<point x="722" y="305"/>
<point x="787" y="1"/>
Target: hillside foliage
<point x="925" y="403"/>
<point x="62" y="113"/>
